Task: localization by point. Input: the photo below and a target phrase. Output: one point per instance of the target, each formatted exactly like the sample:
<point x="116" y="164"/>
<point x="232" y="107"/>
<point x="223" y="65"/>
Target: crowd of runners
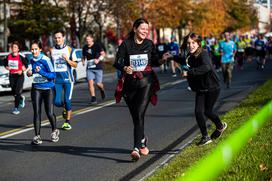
<point x="248" y="48"/>
<point x="199" y="59"/>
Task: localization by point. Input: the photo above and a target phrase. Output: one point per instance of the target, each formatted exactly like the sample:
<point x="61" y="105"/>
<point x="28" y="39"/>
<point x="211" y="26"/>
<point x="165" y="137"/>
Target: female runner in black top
<point x="203" y="80"/>
<point x="139" y="83"/>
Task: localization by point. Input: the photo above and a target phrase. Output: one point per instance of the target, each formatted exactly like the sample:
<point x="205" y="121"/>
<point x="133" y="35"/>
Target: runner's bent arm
<point x="120" y="58"/>
<point x="101" y="56"/>
<point x="50" y="74"/>
<point x="73" y="63"/>
<point x="83" y="60"/>
<point x="6" y="63"/>
<point x="25" y="63"/>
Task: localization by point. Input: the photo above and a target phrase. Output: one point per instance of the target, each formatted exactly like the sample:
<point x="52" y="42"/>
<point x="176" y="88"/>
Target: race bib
<point x="13" y="64"/>
<point x="161" y="48"/>
<point x="60" y="65"/>
<point x="241" y="50"/>
<point x="39" y="79"/>
<point x="173" y="53"/>
<point x="259" y="47"/>
<point x="91" y="64"/>
<point x="138" y="62"/>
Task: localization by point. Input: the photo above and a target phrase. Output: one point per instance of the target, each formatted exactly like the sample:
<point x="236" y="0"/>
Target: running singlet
<point x="248" y="42"/>
<point x="15" y="63"/>
<point x="260" y="45"/>
<point x="138" y="62"/>
<point x="174" y="48"/>
<point x="241" y="45"/>
<point x="62" y="68"/>
<point x="216" y="50"/>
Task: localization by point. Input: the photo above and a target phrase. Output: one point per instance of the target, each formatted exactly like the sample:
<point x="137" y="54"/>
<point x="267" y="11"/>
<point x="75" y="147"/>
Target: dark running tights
<point x="137" y="101"/>
<point x="204" y="103"/>
<point x="38" y="96"/>
<point x="16" y="84"/>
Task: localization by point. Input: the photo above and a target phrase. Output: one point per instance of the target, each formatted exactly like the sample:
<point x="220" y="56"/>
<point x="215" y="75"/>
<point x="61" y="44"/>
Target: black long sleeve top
<point x="129" y="48"/>
<point x="202" y="76"/>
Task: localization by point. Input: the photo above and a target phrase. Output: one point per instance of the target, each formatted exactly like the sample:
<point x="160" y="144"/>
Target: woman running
<point x="139" y="83"/>
<point x="16" y="64"/>
<point x="43" y="82"/>
<point x="203" y="80"/>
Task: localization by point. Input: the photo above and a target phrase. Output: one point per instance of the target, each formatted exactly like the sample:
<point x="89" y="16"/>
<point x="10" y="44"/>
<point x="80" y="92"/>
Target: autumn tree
<point x="169" y="13"/>
<point x="216" y="16"/>
<point x="36" y="18"/>
<point x="210" y="17"/>
<point x="243" y="15"/>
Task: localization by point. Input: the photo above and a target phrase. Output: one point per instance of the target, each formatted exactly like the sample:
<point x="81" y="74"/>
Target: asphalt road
<point x="98" y="147"/>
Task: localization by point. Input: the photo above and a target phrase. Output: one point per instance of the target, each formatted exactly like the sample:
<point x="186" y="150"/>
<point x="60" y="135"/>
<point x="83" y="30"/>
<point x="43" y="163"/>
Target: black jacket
<point x="202" y="76"/>
<point x="129" y="47"/>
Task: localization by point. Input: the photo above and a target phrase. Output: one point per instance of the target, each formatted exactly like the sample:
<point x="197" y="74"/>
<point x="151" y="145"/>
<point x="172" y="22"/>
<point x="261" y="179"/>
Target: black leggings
<point x="240" y="58"/>
<point x="38" y="96"/>
<point x="204" y="103"/>
<point x="137" y="101"/>
<point x="16" y="83"/>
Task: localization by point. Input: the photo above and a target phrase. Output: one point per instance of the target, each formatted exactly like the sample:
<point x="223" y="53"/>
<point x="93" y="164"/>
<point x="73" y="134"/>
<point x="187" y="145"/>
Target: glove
<point x="185" y="67"/>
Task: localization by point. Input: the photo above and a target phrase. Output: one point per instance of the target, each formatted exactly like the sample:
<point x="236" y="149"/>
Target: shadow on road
<point x="16" y="145"/>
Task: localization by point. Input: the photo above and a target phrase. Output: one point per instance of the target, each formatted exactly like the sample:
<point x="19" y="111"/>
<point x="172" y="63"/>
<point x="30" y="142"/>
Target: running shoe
<point x="93" y="100"/>
<point x="37" y="140"/>
<point x="66" y="126"/>
<point x="135" y="154"/>
<point x="144" y="150"/>
<point x="55" y="135"/>
<point x="218" y="132"/>
<point x="64" y="113"/>
<point x="103" y="95"/>
<point x="174" y="75"/>
<point x="15" y="111"/>
<point x="22" y="102"/>
<point x="204" y="141"/>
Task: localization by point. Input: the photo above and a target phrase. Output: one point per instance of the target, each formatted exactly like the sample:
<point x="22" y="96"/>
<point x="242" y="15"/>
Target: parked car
<point x="4" y="74"/>
<point x="80" y="71"/>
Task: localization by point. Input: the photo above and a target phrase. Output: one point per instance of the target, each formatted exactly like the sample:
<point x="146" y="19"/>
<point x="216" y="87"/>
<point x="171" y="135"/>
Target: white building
<point x="263" y="8"/>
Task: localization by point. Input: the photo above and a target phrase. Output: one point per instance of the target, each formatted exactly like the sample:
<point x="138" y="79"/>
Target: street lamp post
<point x="5" y="27"/>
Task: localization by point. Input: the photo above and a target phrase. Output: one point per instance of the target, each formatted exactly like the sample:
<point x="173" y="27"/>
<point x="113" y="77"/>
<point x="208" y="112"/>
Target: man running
<point x="173" y="48"/>
<point x="63" y="62"/>
<point x="94" y="54"/>
<point x="228" y="50"/>
<point x="161" y="49"/>
<point x="241" y="46"/>
<point x="216" y="56"/>
<point x="260" y="47"/>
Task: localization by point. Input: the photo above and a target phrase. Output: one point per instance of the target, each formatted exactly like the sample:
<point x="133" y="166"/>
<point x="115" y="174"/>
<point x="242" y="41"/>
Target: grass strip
<point x="252" y="163"/>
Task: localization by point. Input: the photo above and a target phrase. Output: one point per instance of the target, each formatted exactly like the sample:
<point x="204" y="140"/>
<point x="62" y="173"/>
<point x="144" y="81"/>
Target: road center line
<point x="29" y="127"/>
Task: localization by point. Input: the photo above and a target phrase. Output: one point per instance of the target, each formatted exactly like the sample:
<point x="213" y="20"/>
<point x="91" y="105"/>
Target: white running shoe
<point x="15" y="111"/>
<point x="55" y="136"/>
<point x="37" y="140"/>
